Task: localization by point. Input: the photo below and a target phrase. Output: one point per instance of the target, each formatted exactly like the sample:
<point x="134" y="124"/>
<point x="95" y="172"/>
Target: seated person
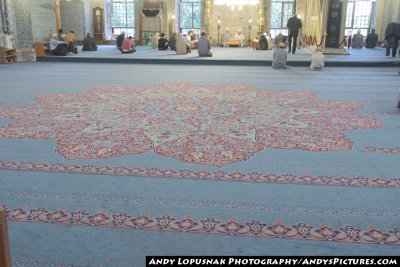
<point x="280" y="38"/>
<point x="263" y="42"/>
<point x="182" y="45"/>
<point x="154" y="40"/>
<point x="89" y="44"/>
<point x="60" y="35"/>
<point x="358" y="40"/>
<point x="255" y="44"/>
<point x="128" y="46"/>
<point x="172" y="41"/>
<point x="204" y="46"/>
<point x="120" y="39"/>
<point x="70" y="39"/>
<point x="163" y="42"/>
<point x="372" y="39"/>
<point x="317" y="60"/>
<point x="280" y="57"/>
<point x="58" y="48"/>
<point x="191" y="39"/>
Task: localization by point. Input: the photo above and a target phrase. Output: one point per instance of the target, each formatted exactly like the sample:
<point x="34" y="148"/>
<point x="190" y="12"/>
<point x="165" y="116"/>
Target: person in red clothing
<point x="128" y="46"/>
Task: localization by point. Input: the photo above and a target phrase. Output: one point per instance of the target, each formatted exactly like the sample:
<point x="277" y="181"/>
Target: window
<point x="190" y="15"/>
<point x="281" y="11"/>
<point x="360" y="15"/>
<point x="123" y="17"/>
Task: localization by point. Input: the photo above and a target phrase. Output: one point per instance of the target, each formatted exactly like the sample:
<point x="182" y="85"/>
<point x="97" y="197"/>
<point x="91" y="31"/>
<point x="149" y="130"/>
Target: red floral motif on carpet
<point x="195" y="124"/>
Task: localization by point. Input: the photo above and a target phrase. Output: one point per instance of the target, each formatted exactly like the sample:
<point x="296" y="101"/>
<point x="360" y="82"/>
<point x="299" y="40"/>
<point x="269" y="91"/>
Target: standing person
<point x="392" y="34"/>
<point x="89" y="44"/>
<point x="204" y="46"/>
<point x="280" y="57"/>
<point x="58" y="48"/>
<point x="317" y="60"/>
<point x="120" y="39"/>
<point x="163" y="42"/>
<point x="372" y="39"/>
<point x="294" y="25"/>
<point x="128" y="46"/>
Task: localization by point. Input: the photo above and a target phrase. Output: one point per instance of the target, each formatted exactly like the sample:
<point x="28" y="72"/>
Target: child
<point x="317" y="60"/>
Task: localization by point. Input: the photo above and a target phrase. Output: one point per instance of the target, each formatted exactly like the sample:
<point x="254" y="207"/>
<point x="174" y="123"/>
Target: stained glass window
<point x="123" y="16"/>
<point x="360" y="16"/>
<point x="281" y="11"/>
<point x="190" y="15"/>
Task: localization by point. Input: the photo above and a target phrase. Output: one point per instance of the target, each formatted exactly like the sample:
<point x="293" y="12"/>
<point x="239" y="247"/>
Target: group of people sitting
<point x="177" y="42"/>
<point x="280" y="57"/>
<point x="125" y="44"/>
<point x="61" y="44"/>
<point x="357" y="41"/>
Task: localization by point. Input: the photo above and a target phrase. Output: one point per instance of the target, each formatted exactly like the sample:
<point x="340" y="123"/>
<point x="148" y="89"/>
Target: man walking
<point x="294" y="25"/>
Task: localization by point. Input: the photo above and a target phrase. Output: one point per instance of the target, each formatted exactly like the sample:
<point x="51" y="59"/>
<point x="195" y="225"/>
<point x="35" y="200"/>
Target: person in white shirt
<point x="280" y="57"/>
<point x="58" y="48"/>
<point x="317" y="60"/>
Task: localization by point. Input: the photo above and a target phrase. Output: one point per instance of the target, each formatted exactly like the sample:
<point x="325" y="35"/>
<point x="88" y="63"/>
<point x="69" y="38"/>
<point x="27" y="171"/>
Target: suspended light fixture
<point x="232" y="4"/>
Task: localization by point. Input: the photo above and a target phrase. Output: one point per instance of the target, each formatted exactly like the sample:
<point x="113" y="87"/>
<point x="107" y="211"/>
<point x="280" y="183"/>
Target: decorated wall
<point x="73" y="17"/>
<point x="43" y="18"/>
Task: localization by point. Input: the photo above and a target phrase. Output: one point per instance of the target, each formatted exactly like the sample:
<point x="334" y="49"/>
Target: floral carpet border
<point x="387" y="150"/>
<point x="232" y="227"/>
<point x="203" y="175"/>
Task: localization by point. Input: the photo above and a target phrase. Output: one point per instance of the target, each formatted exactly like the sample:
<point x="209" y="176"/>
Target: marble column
<point x="206" y="18"/>
<point x="58" y="15"/>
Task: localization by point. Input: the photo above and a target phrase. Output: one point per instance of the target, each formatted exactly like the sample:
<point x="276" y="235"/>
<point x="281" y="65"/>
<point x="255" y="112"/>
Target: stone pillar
<point x="177" y="16"/>
<point x="267" y="15"/>
<point x="260" y="19"/>
<point x="206" y="18"/>
<point x="58" y="15"/>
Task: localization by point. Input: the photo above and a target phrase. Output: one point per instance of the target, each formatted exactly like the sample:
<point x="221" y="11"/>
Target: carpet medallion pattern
<point x="215" y="126"/>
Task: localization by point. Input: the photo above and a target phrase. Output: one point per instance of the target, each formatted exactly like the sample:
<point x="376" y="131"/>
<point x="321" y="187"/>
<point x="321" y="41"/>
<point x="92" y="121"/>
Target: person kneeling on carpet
<point x="317" y="60"/>
<point x="280" y="57"/>
<point x="128" y="46"/>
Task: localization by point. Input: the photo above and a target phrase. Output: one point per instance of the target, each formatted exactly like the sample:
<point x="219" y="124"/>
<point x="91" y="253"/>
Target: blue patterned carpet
<point x="101" y="165"/>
